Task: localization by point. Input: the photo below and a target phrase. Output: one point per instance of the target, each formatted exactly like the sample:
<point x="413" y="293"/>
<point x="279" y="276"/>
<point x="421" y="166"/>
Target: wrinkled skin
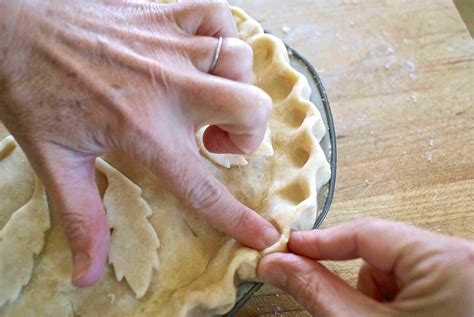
<point x="82" y="78"/>
<point x="405" y="272"/>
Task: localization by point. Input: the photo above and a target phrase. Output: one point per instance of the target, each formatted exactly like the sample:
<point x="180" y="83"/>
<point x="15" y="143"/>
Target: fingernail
<point x="81" y="265"/>
<point x="275" y="275"/>
<point x="270" y="236"/>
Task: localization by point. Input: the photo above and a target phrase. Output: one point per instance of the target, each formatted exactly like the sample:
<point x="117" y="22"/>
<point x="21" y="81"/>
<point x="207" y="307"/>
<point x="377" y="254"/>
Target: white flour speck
<point x="431" y="141"/>
<point x="429" y="156"/>
<point x="285" y="29"/>
<point x="390" y="50"/>
<point x="411" y="66"/>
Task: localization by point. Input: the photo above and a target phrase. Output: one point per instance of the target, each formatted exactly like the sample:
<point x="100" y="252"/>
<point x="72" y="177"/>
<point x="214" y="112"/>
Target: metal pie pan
<point x="328" y="144"/>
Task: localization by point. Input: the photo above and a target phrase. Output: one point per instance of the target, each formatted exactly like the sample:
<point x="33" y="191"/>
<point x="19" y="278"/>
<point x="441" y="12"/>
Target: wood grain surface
<point x="400" y="79"/>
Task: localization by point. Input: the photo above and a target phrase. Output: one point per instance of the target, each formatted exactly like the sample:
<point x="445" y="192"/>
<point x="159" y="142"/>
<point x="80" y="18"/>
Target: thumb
<point x="314" y="287"/>
<point x="73" y="193"/>
<point x="217" y="140"/>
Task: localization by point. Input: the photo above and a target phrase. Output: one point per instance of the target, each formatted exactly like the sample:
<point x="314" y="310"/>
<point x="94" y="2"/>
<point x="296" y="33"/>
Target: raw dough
<point x="127" y="215"/>
<point x="199" y="268"/>
<point x="22" y="237"/>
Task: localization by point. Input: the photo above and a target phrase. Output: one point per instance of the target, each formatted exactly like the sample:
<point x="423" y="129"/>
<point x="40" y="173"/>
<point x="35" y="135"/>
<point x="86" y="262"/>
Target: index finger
<point x="206" y="18"/>
<point x="382" y="244"/>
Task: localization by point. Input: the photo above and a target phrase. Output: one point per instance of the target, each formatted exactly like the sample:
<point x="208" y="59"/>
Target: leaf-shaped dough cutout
<point x="231" y="160"/>
<point x="134" y="242"/>
<point x="20" y="239"/>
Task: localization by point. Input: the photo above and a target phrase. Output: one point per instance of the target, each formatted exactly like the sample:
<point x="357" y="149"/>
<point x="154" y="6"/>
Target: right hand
<point x="82" y="78"/>
<point x="406" y="271"/>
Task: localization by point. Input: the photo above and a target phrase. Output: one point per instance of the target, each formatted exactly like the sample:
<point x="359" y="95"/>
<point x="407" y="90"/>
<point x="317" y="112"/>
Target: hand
<point x="406" y="271"/>
<point x="82" y="78"/>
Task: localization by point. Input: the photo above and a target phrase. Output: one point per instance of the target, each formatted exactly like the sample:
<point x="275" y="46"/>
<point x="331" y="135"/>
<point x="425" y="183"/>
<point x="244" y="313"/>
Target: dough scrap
<point x="134" y="242"/>
<point x="21" y="238"/>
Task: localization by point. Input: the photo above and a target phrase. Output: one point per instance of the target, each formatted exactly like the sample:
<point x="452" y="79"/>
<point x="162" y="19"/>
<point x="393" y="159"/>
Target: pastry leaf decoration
<point x="21" y="238"/>
<point x="134" y="242"/>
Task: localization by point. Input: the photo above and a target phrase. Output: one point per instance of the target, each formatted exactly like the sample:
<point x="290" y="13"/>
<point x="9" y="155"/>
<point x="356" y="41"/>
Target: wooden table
<point x="400" y="79"/>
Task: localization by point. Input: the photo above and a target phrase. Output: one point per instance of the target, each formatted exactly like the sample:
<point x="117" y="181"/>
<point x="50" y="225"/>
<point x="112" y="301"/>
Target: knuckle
<point x="263" y="107"/>
<point x="218" y="6"/>
<point x="241" y="221"/>
<point x="239" y="60"/>
<point x="213" y="7"/>
<point x="75" y="226"/>
<point x="203" y="193"/>
<point x="241" y="52"/>
<point x="310" y="290"/>
<point x="464" y="251"/>
<point x="364" y="220"/>
<point x="371" y="223"/>
<point x="257" y="109"/>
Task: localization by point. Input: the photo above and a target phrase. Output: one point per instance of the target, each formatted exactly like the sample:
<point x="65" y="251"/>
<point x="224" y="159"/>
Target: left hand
<point x="407" y="271"/>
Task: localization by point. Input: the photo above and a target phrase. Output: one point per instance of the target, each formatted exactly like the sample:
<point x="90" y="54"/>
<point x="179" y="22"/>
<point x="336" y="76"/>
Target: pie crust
<point x="165" y="261"/>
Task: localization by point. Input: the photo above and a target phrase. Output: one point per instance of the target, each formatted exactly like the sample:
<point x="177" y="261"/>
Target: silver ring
<point x="217" y="55"/>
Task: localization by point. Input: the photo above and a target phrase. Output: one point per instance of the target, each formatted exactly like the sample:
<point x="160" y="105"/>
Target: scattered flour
<point x="285" y="29"/>
<point x="411" y="67"/>
<point x="429" y="156"/>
